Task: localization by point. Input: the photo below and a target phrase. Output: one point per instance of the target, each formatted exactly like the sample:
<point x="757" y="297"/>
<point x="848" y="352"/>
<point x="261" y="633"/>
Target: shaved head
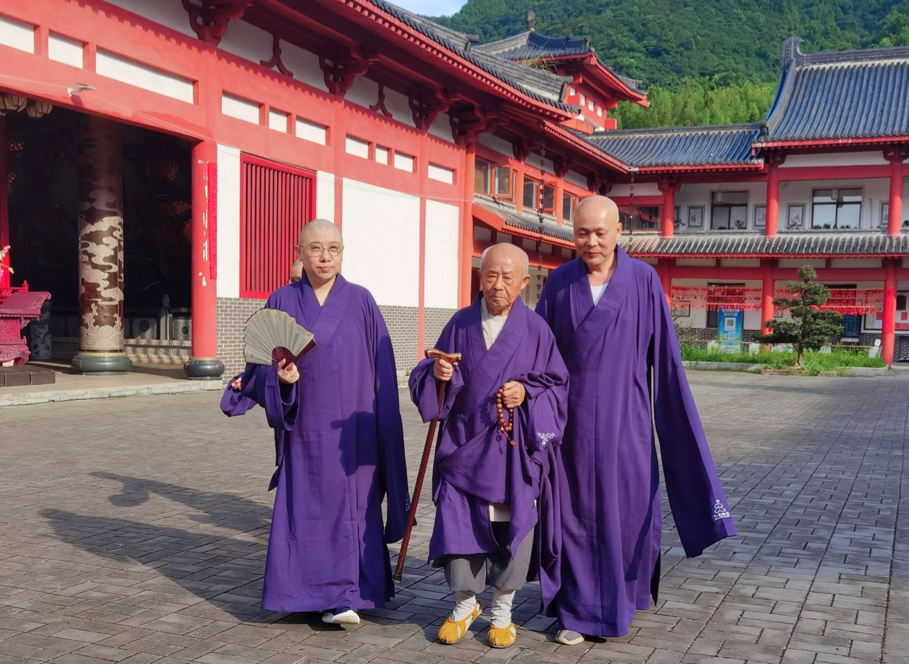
<point x="317" y="225"/>
<point x="598" y="206"/>
<point x="505" y="251"/>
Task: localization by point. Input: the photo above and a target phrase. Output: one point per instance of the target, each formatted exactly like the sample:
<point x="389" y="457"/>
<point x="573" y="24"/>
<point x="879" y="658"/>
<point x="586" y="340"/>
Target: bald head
<point x="596" y="232"/>
<point x="506" y="252"/>
<point x="503" y="274"/>
<point x="317" y="225"/>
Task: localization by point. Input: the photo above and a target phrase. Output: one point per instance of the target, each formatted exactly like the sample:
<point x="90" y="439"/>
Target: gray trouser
<point x="472" y="573"/>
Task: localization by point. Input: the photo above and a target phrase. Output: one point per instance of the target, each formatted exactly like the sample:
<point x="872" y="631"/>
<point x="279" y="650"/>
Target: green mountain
<point x="702" y="61"/>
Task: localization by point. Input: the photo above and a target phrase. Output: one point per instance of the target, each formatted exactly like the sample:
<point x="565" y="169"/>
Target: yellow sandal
<point x="452" y="631"/>
<point x="502" y="637"/>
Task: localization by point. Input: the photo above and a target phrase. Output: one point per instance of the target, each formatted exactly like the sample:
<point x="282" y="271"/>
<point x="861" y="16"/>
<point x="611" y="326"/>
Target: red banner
<point x="714" y="298"/>
<point x="847" y="301"/>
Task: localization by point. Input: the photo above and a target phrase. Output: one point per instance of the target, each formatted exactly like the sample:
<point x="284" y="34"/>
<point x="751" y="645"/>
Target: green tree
<point x="811" y="327"/>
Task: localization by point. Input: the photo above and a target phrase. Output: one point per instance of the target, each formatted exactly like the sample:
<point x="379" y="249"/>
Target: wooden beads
<point x="504" y="427"/>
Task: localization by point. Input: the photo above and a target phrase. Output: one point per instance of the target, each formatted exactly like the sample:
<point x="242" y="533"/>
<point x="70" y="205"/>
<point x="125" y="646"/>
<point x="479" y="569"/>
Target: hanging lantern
<point x="38" y="109"/>
<point x="10" y="102"/>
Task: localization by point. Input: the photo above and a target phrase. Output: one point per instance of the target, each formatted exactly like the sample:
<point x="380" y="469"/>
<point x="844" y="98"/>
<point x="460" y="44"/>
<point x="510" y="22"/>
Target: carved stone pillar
<point x="101" y="346"/>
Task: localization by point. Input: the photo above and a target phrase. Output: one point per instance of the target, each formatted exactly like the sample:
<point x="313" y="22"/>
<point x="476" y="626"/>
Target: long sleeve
<point x="697" y="501"/>
<point x="423" y="386"/>
<point x="234" y="402"/>
<point x="392" y="469"/>
<point x="546" y="400"/>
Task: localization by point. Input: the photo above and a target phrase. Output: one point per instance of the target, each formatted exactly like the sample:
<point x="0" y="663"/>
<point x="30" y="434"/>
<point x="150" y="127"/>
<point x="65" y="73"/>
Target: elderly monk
<point x="339" y="440"/>
<point x="496" y="509"/>
<point x="612" y="325"/>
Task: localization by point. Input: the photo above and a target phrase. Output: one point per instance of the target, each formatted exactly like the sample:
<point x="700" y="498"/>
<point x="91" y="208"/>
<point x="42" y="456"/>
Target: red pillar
<point x="465" y="253"/>
<point x="423" y="165"/>
<point x="895" y="206"/>
<point x="518" y="188"/>
<point x="766" y="294"/>
<point x="204" y="363"/>
<point x="773" y="200"/>
<point x="664" y="272"/>
<point x="889" y="322"/>
<point x="4" y="201"/>
<point x="668" y="210"/>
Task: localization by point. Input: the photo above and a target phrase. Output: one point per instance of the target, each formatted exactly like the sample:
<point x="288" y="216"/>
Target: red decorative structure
<point x="209" y="19"/>
<point x="17" y="309"/>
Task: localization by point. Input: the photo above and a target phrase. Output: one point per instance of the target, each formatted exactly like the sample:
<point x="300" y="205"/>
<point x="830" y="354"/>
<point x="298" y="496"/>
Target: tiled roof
<point x="530" y="45"/>
<point x="675" y="147"/>
<point x="539" y="85"/>
<point x="525" y="222"/>
<point x="728" y="243"/>
<point x="839" y="95"/>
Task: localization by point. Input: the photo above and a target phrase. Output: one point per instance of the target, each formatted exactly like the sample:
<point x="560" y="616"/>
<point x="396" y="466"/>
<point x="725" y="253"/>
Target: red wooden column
<point x="889" y="322"/>
<point x="773" y="196"/>
<point x="4" y="200"/>
<point x="664" y="272"/>
<point x="666" y="217"/>
<point x="465" y="253"/>
<point x="204" y="363"/>
<point x="423" y="165"/>
<point x="767" y="288"/>
<point x="895" y="205"/>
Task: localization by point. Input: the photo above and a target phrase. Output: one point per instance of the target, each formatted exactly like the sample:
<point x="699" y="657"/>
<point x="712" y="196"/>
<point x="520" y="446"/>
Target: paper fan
<point x="272" y="336"/>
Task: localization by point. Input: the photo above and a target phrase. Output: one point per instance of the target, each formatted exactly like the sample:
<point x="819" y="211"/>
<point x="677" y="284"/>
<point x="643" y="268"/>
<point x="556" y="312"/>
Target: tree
<point x="811" y="327"/>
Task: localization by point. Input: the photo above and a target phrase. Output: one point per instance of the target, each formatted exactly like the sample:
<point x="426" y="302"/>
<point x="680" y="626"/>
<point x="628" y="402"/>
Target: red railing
<point x="6" y="291"/>
<point x="275" y="202"/>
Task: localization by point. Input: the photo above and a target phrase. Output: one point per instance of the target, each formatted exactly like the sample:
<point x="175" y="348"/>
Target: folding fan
<point x="273" y="335"/>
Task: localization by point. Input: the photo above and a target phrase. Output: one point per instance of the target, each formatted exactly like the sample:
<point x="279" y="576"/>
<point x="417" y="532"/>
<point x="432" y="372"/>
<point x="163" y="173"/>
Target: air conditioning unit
<point x="143" y="328"/>
<point x="181" y="328"/>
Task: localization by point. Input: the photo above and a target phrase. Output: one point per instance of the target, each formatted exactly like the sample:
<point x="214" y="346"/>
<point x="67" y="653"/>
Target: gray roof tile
<point x="817" y="244"/>
<point x="523" y="221"/>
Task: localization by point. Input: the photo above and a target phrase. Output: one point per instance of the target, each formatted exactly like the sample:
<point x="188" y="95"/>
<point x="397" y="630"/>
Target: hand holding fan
<point x="273" y="335"/>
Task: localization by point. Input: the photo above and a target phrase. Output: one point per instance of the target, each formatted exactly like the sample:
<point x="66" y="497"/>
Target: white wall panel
<point x="356" y="147"/>
<point x="440" y="268"/>
<point x="304" y="65"/>
<point x="440" y="173"/>
<point x="325" y="196"/>
<point x="640" y="189"/>
<point x="441" y="128"/>
<point x="228" y="249"/>
<point x="141" y="76"/>
<point x="403" y="162"/>
<point x="875" y="158"/>
<point x="14" y="34"/>
<point x="382" y="242"/>
<point x="277" y="120"/>
<point x="363" y="92"/>
<point x="240" y="109"/>
<point x="169" y="13"/>
<point x="247" y="41"/>
<point x="67" y="51"/>
<point x="309" y="131"/>
<point x="497" y="144"/>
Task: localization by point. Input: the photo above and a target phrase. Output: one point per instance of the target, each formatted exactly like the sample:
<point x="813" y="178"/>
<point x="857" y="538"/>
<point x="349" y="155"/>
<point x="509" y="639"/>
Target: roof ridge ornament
<point x="209" y="18"/>
<point x="531" y="21"/>
<point x="791" y="52"/>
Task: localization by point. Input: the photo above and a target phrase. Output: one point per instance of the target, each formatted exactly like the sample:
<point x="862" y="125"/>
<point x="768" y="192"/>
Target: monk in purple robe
<point x="613" y="328"/>
<point x="339" y="443"/>
<point x="496" y="503"/>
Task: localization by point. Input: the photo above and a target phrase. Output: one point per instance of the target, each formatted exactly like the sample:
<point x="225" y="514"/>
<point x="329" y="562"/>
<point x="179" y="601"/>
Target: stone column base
<point x="104" y="364"/>
<point x="203" y="368"/>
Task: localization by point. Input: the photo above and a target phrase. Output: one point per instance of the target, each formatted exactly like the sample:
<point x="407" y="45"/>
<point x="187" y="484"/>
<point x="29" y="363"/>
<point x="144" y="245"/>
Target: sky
<point x="431" y="7"/>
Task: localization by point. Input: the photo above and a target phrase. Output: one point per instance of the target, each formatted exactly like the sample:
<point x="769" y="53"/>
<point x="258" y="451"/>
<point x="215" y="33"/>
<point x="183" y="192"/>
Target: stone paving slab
<point x="134" y="531"/>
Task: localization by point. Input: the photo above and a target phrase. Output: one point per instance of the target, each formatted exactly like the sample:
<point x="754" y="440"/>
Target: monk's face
<point x="296" y="273"/>
<point x="502" y="278"/>
<point x="320" y="253"/>
<point x="596" y="230"/>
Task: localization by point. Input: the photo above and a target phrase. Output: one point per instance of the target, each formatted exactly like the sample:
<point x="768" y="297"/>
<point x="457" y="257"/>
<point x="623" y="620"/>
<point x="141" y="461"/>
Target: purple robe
<point x="474" y="462"/>
<point x="616" y="352"/>
<point x="340" y="451"/>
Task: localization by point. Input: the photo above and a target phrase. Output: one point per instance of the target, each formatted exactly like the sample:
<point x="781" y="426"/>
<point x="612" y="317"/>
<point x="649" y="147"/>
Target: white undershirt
<point x="596" y="292"/>
<point x="492" y="325"/>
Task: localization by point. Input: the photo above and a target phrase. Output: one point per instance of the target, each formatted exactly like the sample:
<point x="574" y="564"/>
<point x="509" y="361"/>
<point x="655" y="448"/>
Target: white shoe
<point x="569" y="637"/>
<point x="349" y="617"/>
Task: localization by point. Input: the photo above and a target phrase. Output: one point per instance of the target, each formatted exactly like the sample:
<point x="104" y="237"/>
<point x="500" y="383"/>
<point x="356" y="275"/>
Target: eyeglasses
<point x="315" y="250"/>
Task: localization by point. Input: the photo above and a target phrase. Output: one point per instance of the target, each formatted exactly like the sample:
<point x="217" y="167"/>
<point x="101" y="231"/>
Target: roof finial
<point x="531" y="21"/>
<point x="791" y="52"/>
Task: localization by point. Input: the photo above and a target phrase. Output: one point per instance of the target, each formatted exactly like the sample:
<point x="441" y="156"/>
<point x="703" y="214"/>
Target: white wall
<point x="875" y="158"/>
<point x="497" y="144"/>
<point x="228" y="229"/>
<point x="640" y="189"/>
<point x="382" y="242"/>
<point x="169" y="13"/>
<point x="440" y="268"/>
<point x="325" y="196"/>
<point x="690" y="195"/>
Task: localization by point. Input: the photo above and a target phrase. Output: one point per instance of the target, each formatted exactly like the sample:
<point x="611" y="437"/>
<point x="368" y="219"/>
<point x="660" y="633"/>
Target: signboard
<point x="730" y="329"/>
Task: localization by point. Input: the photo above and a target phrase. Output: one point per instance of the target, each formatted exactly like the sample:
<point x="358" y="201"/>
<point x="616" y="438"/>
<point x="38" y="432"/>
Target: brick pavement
<point x="134" y="530"/>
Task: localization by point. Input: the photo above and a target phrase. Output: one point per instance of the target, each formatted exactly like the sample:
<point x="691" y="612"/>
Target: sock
<point x="466" y="603"/>
<point x="501" y="607"/>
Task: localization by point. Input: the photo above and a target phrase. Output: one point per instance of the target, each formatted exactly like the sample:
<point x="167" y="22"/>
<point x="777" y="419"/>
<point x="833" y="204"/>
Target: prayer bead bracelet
<point x="504" y="427"/>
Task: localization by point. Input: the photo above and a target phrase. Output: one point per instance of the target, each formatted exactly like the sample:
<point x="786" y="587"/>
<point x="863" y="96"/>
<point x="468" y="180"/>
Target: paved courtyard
<point x="134" y="530"/>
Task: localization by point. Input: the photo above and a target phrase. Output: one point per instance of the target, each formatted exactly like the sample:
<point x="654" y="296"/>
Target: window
<point x="276" y="201"/>
<point x="600" y="111"/>
<point x="583" y="100"/>
<point x="530" y="193"/>
<point x="481" y="177"/>
<point x="730" y="210"/>
<point x="836" y="208"/>
<point x="568" y="203"/>
<point x="639" y="218"/>
<point x="590" y="104"/>
<point x="492" y="180"/>
<point x="547" y="199"/>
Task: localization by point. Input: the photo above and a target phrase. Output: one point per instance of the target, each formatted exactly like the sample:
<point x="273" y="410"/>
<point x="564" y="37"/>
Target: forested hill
<point x="720" y="52"/>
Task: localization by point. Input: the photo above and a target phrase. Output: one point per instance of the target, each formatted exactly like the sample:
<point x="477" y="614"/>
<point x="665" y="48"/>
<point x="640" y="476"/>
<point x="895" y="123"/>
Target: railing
<point x="6" y="291"/>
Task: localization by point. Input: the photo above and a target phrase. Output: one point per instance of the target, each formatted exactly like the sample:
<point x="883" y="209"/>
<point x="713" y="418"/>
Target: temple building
<point x="160" y="157"/>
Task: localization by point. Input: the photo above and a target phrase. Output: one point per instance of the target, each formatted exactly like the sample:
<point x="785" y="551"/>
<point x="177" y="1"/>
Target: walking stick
<point x="427" y="448"/>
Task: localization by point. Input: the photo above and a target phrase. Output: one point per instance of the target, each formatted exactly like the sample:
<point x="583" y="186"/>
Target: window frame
<point x="836" y="208"/>
<point x="729" y="207"/>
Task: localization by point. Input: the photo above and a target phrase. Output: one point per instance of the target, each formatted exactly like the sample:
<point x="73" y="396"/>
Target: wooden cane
<point x="427" y="448"/>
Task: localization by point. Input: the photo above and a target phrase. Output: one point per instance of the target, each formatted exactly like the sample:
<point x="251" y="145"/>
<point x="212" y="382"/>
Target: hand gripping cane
<point x="427" y="448"/>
